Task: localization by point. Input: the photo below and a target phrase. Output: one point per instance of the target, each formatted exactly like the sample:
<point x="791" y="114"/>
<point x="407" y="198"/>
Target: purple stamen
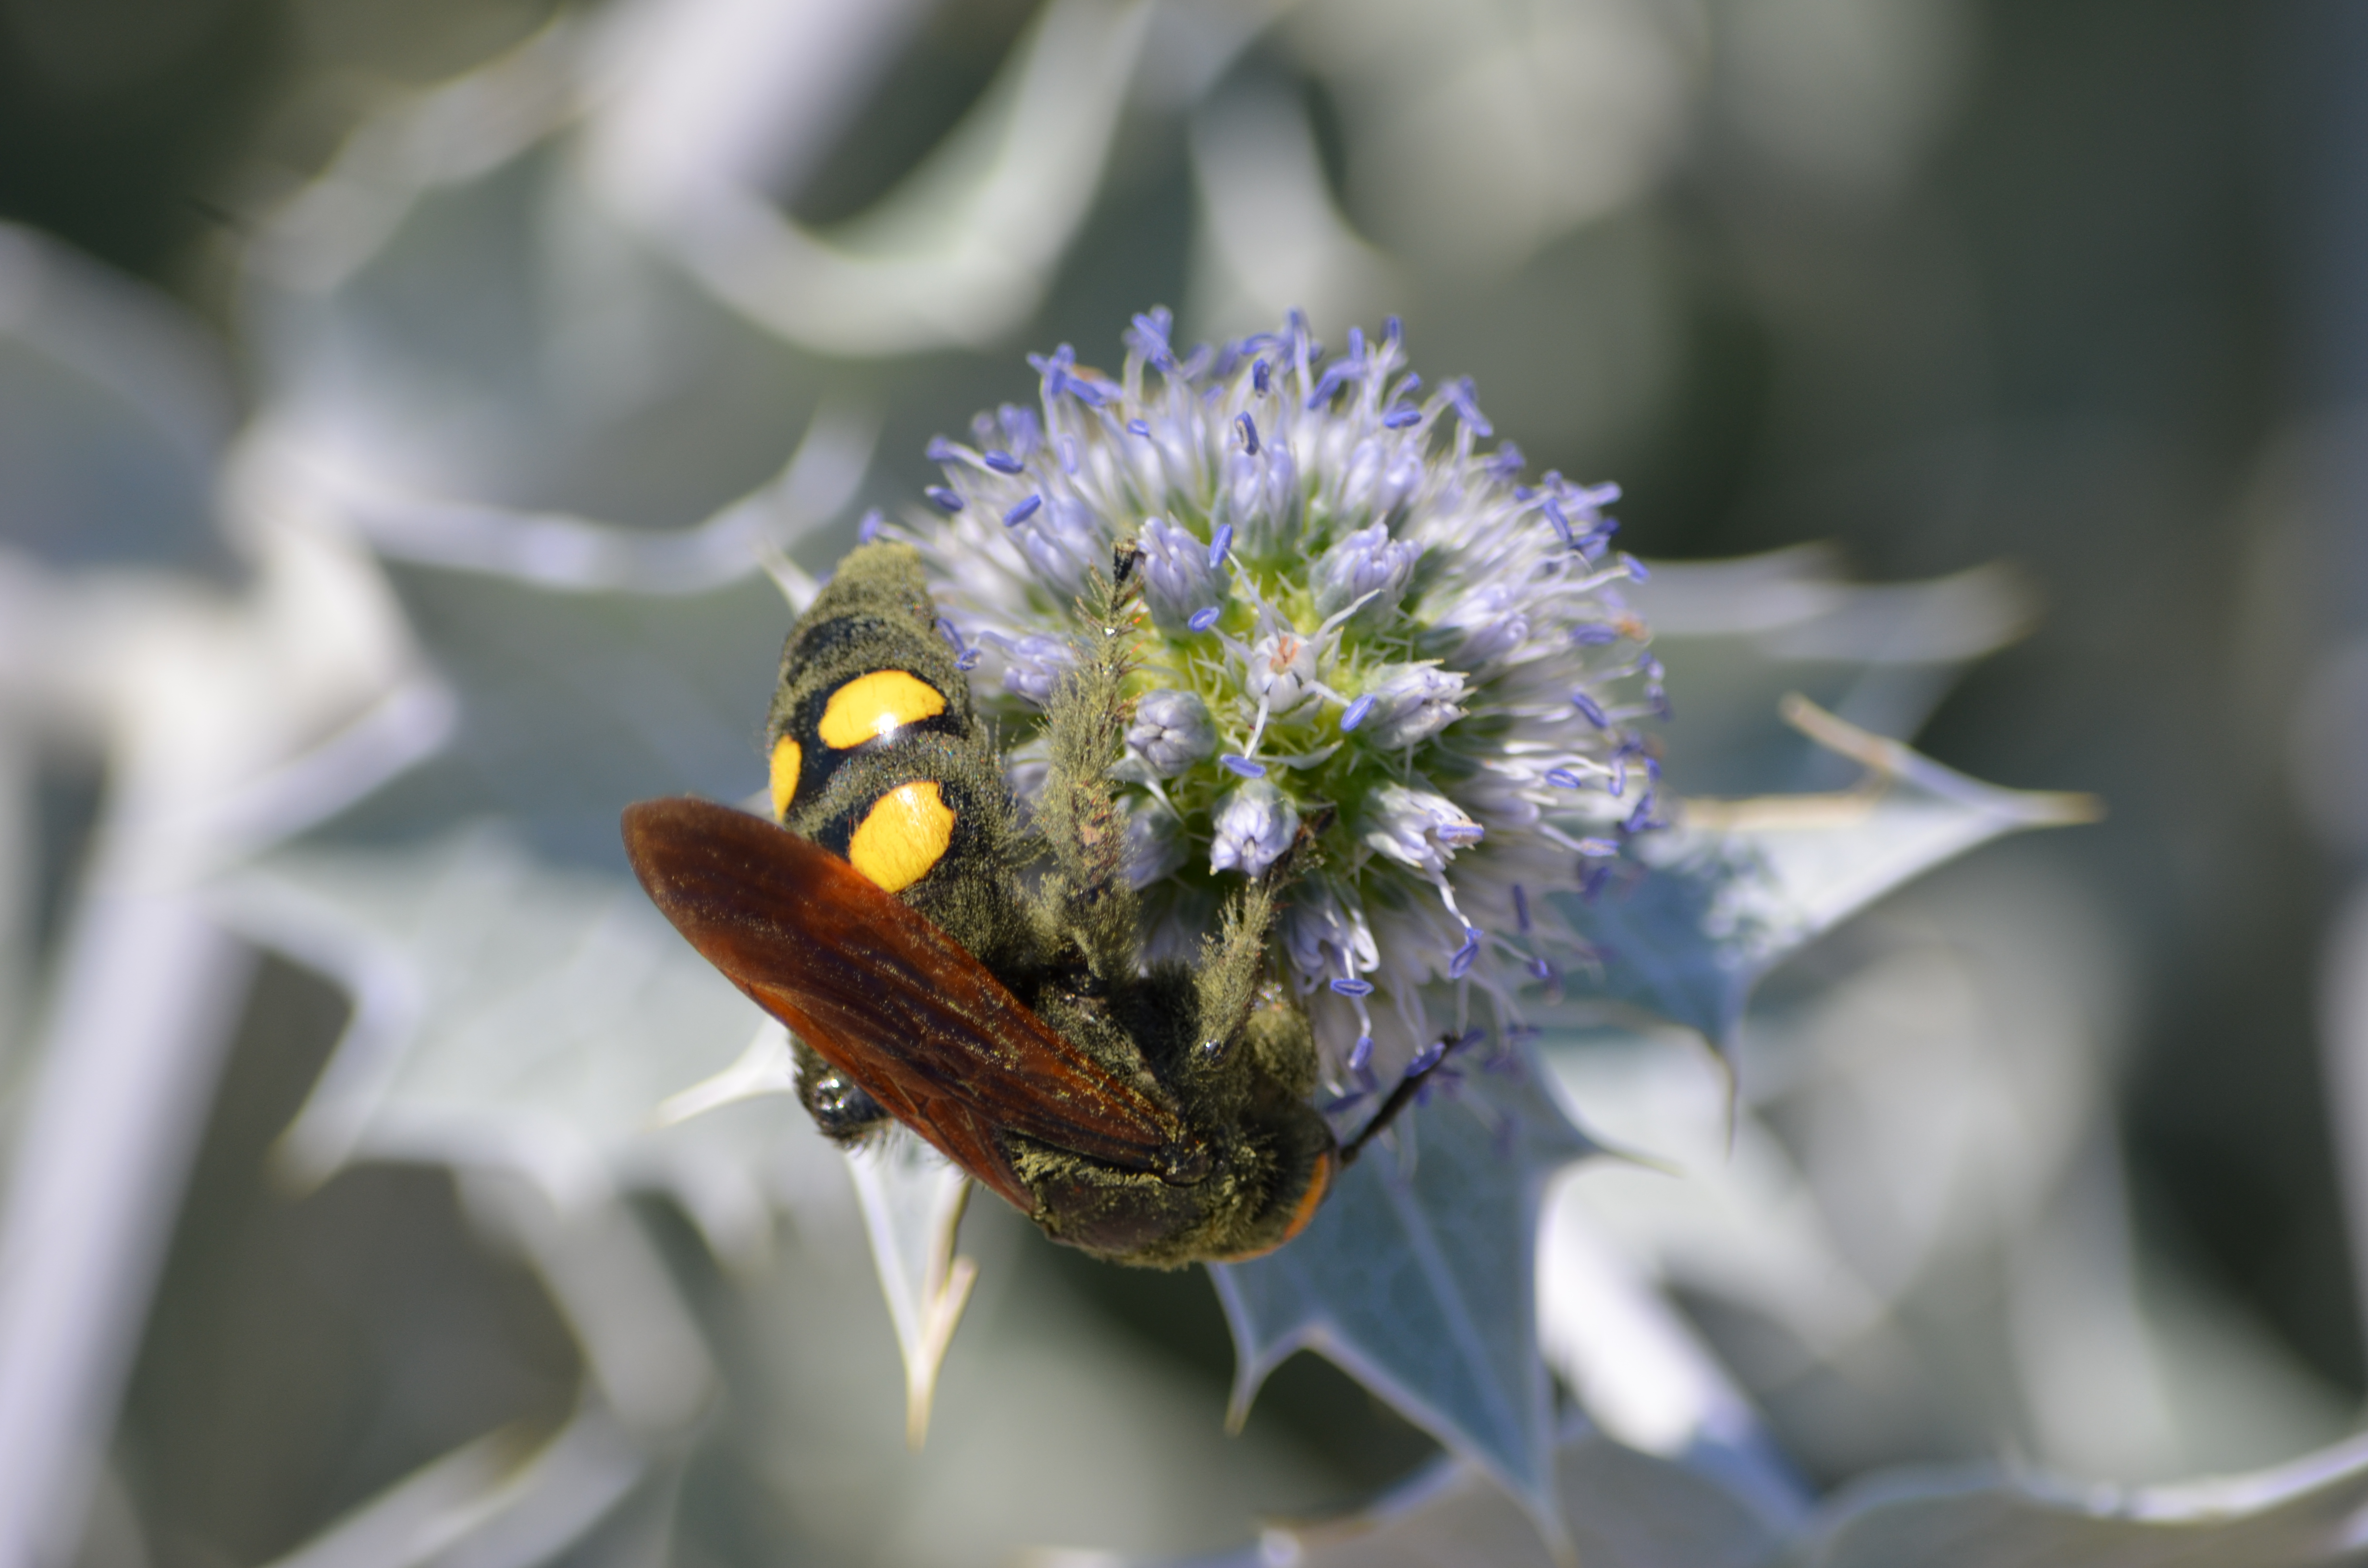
<point x="1360" y="1055"/>
<point x="1003" y="462"/>
<point x="1592" y="709"/>
<point x="1249" y="434"/>
<point x="1022" y="512"/>
<point x="940" y="450"/>
<point x="869" y="528"/>
<point x="1636" y="572"/>
<point x="1428" y="1057"/>
<point x="1399" y="418"/>
<point x="944" y="498"/>
<point x="1542" y="969"/>
<point x="1393" y="330"/>
<point x="1140" y="426"/>
<point x="1459" y="397"/>
<point x="1244" y="765"/>
<point x="1595" y="636"/>
<point x="1258" y="374"/>
<point x="1561" y="524"/>
<point x="1204" y="619"/>
<point x="1564" y="779"/>
<point x="1521" y="908"/>
<point x="1598" y="848"/>
<point x="1353" y="987"/>
<point x="1224" y="539"/>
<point x="1461" y="964"/>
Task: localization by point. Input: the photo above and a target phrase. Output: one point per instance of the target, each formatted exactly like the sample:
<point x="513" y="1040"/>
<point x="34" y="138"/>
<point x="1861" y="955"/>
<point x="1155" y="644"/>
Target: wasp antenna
<point x="1418" y="1072"/>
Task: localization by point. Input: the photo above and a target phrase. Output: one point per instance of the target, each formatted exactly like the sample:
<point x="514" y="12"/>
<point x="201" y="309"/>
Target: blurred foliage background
<point x="1944" y="282"/>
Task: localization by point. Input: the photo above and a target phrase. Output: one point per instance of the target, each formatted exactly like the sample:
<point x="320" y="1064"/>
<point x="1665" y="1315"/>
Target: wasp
<point x="938" y="966"/>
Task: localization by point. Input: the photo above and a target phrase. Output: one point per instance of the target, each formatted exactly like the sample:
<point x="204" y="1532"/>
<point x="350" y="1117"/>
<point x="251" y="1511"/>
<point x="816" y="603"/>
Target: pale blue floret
<point x="1033" y="664"/>
<point x="1155" y="844"/>
<point x="1368" y="566"/>
<point x="1170" y="731"/>
<point x="1414" y="702"/>
<point x="1419" y="829"/>
<point x="1253" y="827"/>
<point x="1179" y="575"/>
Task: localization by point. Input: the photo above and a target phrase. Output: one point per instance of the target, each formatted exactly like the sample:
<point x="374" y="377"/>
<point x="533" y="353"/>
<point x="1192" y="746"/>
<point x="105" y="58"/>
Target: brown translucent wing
<point x="886" y="997"/>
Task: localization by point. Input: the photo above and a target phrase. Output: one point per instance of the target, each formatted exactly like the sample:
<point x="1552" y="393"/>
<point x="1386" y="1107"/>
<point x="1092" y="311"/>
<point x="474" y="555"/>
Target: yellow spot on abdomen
<point x="787" y="759"/>
<point x="874" y="705"/>
<point x="904" y="834"/>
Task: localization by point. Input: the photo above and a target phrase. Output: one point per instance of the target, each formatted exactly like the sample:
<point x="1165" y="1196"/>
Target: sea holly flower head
<point x="1357" y="616"/>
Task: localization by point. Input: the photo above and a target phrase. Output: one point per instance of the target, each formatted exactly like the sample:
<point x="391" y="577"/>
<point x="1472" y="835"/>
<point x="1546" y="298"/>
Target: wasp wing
<point x="886" y="997"/>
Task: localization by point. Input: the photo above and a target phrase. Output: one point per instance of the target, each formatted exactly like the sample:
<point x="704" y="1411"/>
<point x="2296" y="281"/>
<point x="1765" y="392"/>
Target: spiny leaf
<point x="1721" y="898"/>
<point x="2299" y="1514"/>
<point x="912" y="1199"/>
<point x="518" y="1002"/>
<point x="1417" y="1276"/>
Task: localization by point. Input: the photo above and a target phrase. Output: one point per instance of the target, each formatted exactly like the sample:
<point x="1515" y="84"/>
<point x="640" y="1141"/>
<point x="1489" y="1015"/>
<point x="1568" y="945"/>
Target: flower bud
<point x="1171" y="731"/>
<point x="1368" y="561"/>
<point x="1413" y="702"/>
<point x="1254" y="826"/>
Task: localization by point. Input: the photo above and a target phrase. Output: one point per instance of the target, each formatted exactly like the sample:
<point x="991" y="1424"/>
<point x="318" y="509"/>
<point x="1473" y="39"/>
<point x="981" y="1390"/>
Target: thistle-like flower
<point x="1357" y="621"/>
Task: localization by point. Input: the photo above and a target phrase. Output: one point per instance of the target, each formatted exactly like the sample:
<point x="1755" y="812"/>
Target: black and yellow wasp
<point x="982" y="985"/>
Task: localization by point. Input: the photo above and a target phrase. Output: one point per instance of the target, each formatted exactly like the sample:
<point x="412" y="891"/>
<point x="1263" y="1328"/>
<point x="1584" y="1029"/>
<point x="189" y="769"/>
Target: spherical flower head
<point x="1357" y="616"/>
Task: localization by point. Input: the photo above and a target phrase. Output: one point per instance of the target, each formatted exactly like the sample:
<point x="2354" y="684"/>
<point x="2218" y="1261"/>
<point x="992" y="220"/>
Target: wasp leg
<point x="1088" y="896"/>
<point x="844" y="1113"/>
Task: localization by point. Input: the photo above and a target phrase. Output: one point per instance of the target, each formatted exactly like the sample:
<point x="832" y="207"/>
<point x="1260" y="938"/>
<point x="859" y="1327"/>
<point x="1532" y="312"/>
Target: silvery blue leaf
<point x="1706" y="907"/>
<point x="1417" y="1276"/>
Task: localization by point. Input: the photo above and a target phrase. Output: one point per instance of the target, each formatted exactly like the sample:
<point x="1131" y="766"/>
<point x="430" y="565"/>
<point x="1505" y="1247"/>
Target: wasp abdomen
<point x="878" y="755"/>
